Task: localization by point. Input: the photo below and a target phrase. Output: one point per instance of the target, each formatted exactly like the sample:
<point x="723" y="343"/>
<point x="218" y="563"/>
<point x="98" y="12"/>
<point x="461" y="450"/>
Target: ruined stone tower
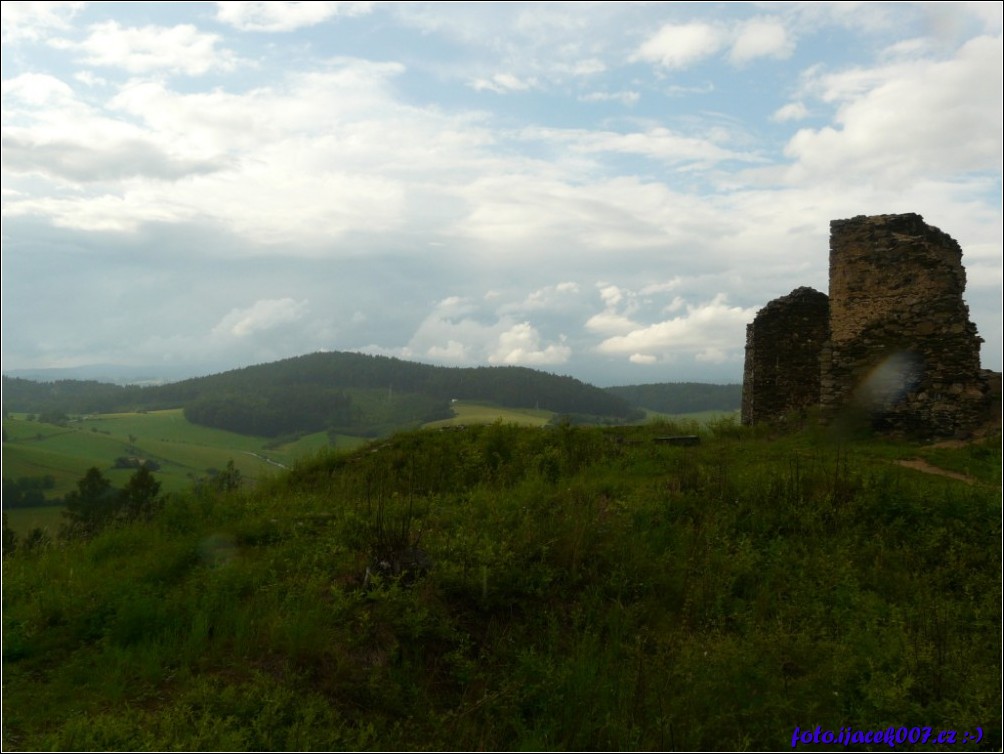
<point x="783" y="346"/>
<point x="897" y="349"/>
<point x="901" y="345"/>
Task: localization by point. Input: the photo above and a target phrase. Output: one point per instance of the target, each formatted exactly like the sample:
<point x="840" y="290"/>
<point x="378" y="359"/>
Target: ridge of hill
<point x="344" y="392"/>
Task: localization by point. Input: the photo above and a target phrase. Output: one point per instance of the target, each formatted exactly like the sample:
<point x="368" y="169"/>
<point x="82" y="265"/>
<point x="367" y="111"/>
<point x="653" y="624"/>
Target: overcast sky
<point x="606" y="190"/>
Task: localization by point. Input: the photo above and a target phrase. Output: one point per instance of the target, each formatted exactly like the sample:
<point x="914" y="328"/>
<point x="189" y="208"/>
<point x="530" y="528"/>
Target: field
<point x="185" y="452"/>
<point x="469" y="412"/>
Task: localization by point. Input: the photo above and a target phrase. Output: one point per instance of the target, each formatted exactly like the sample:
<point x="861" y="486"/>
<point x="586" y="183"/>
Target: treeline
<point x="27" y="492"/>
<point x="681" y="397"/>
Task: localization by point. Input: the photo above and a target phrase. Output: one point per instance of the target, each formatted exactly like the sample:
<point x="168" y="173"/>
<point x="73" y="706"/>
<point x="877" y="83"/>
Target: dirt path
<point x="920" y="464"/>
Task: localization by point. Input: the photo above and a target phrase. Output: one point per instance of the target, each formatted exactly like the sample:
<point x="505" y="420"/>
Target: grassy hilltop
<point x="534" y="588"/>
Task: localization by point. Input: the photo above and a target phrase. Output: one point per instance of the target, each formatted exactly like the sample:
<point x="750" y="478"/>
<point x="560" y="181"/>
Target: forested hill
<point x="681" y="397"/>
<point x="507" y="386"/>
<point x="323" y="391"/>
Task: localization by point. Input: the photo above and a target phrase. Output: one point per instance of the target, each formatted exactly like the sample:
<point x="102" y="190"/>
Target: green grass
<point x="469" y="412"/>
<point x="588" y="589"/>
<point x="701" y="418"/>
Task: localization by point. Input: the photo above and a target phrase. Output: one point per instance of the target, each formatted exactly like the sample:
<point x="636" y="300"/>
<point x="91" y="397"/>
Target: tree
<point x="229" y="479"/>
<point x="140" y="500"/>
<point x="90" y="507"/>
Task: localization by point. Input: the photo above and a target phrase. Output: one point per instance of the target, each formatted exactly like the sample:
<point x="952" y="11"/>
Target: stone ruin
<point x="782" y="356"/>
<point x="892" y="345"/>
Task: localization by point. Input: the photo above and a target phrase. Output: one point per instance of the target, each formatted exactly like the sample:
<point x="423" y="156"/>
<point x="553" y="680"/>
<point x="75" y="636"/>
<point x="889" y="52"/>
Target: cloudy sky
<point x="606" y="190"/>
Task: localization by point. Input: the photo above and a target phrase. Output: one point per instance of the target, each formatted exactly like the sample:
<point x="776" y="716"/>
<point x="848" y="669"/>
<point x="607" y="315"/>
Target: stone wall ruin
<point x="899" y="349"/>
<point x="783" y="344"/>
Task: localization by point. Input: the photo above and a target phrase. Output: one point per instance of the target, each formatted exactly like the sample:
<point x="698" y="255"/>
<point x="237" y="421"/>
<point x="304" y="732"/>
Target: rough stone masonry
<point x="893" y="343"/>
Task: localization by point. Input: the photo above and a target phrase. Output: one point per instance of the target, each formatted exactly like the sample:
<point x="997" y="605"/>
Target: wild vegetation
<point x="503" y="587"/>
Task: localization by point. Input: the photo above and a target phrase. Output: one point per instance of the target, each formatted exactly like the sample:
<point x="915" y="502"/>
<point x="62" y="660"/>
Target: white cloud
<point x="285" y="16"/>
<point x="677" y="90"/>
<point x="318" y="156"/>
<point x="33" y="20"/>
<point x="611" y="295"/>
<point x="610" y="323"/>
<point x="35" y="89"/>
<point x="624" y="97"/>
<point x="50" y="131"/>
<point x="177" y="49"/>
<point x="759" y="38"/>
<point x="587" y="67"/>
<point x="502" y="83"/>
<point x="658" y="143"/>
<point x="642" y="358"/>
<point x="107" y="156"/>
<point x="666" y="287"/>
<point x="544" y="298"/>
<point x="452" y="353"/>
<point x="521" y="345"/>
<point x="262" y="315"/>
<point x="680" y="45"/>
<point x="87" y="78"/>
<point x="791" y="111"/>
<point x="104" y="212"/>
<point x="990" y="14"/>
<point x="710" y="331"/>
<point x="933" y="117"/>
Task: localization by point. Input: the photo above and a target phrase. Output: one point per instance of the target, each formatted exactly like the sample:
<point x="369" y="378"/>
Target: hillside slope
<point x="509" y="588"/>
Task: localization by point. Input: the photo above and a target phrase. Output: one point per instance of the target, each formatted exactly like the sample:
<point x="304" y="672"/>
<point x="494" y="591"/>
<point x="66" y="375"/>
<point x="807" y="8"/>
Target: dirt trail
<point x="919" y="464"/>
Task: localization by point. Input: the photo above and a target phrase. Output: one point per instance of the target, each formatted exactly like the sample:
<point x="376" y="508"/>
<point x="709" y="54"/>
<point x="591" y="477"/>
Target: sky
<point x="605" y="190"/>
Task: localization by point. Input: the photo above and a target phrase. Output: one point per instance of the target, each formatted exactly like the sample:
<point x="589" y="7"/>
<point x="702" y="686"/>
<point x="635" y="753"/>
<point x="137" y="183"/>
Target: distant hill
<point x="681" y="397"/>
<point x="349" y="393"/>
